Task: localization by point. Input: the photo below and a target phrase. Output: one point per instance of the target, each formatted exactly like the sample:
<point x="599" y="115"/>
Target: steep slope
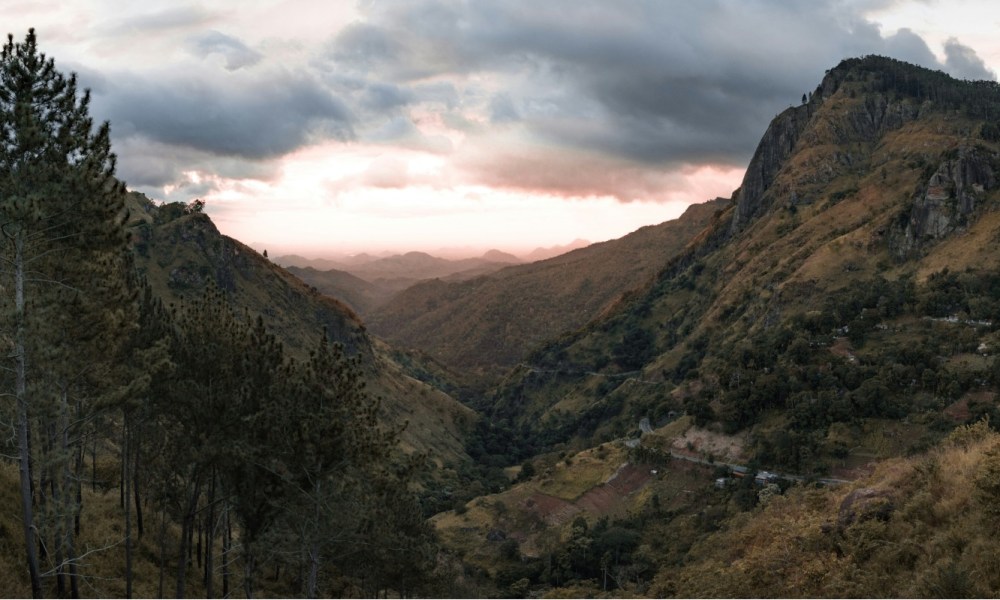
<point x="853" y="277"/>
<point x="362" y="296"/>
<point x="181" y="252"/>
<point x="837" y="322"/>
<point x="915" y="528"/>
<point x="491" y="322"/>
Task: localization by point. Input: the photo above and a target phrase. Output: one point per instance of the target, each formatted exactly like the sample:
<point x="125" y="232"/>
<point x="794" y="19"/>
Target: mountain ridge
<point x="491" y="321"/>
<point x="181" y="253"/>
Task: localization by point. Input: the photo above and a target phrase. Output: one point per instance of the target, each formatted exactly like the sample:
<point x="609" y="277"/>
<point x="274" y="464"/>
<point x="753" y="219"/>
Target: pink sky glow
<point x="395" y="125"/>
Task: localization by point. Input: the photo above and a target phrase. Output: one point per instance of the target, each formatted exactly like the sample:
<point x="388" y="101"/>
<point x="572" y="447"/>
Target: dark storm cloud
<point x="384" y="97"/>
<point x="664" y="83"/>
<point x="255" y="117"/>
<point x="908" y="46"/>
<point x="638" y="86"/>
<point x="502" y="109"/>
<point x="147" y="164"/>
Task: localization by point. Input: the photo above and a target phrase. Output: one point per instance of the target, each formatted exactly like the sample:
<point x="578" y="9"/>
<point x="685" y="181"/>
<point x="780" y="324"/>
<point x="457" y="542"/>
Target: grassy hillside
<point x="492" y="322"/>
<point x="609" y="522"/>
<point x="917" y="527"/>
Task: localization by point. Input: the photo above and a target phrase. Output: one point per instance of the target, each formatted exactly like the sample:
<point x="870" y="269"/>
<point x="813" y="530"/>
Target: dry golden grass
<point x="101" y="550"/>
<point x="938" y="540"/>
<point x="975" y="247"/>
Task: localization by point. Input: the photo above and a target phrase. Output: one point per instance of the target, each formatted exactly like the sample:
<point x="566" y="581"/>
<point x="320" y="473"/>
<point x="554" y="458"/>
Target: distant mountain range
<point x="365" y="282"/>
<point x="554" y="251"/>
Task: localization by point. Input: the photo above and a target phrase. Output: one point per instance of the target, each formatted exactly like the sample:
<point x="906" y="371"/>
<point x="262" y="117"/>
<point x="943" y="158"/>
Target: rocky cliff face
<point x="807" y="125"/>
<point x="885" y="161"/>
<point x="777" y="144"/>
<point x="946" y="203"/>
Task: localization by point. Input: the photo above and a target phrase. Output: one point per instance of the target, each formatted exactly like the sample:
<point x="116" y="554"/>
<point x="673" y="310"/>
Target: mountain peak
<point x="495" y="255"/>
<point x="856" y="104"/>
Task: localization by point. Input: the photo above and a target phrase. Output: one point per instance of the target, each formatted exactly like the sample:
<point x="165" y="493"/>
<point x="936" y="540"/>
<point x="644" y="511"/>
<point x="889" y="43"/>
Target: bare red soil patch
<point x="550" y="509"/>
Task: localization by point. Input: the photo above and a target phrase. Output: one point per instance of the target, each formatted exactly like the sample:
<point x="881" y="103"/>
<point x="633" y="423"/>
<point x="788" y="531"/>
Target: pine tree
<point x="145" y="361"/>
<point x="62" y="247"/>
<point x="196" y="402"/>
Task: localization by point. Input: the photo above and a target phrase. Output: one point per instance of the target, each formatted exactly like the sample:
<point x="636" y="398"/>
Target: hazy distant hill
<point x="362" y="296"/>
<point x="553" y="251"/>
<point x="414" y="266"/>
<point x="491" y="322"/>
<point x="365" y="282"/>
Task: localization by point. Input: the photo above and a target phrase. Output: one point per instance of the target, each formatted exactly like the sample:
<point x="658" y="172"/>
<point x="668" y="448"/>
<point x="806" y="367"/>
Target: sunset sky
<point x="321" y="127"/>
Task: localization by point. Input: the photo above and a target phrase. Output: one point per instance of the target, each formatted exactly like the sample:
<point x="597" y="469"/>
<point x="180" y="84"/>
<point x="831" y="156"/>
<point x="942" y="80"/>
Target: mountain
<point x="853" y="278"/>
<point x="491" y="322"/>
<point x="553" y="251"/>
<point x="835" y="323"/>
<point x="366" y="282"/>
<point x="326" y="263"/>
<point x="362" y="296"/>
<point x="180" y="252"/>
<point x="414" y="266"/>
<point x="496" y="256"/>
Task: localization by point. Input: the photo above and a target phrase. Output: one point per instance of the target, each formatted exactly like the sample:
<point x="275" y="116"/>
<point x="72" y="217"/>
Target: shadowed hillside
<point x="362" y="296"/>
<point x="181" y="252"/>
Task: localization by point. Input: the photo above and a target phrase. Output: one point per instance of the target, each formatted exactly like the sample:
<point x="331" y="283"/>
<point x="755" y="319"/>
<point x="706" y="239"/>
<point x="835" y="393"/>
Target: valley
<point x="835" y="316"/>
<point x="792" y="391"/>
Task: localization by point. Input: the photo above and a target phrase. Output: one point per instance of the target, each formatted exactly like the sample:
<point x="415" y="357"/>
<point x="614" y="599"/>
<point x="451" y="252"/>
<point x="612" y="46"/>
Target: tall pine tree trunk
<point x="53" y="516"/>
<point x="163" y="552"/>
<point x="314" y="557"/>
<point x="210" y="534"/>
<point x="127" y="485"/>
<point x="227" y="544"/>
<point x="21" y="393"/>
<point x="69" y="506"/>
<point x="135" y="486"/>
<point x="187" y="525"/>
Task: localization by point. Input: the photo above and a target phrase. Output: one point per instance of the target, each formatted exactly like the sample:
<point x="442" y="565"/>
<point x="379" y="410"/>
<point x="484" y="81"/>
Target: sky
<point x="326" y="127"/>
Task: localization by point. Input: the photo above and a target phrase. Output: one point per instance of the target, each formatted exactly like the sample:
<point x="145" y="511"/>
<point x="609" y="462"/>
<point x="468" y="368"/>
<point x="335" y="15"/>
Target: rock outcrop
<point x="865" y="122"/>
<point x="947" y="201"/>
<point x="776" y="146"/>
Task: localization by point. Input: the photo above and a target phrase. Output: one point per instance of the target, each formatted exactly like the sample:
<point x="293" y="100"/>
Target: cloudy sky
<point x="318" y="126"/>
